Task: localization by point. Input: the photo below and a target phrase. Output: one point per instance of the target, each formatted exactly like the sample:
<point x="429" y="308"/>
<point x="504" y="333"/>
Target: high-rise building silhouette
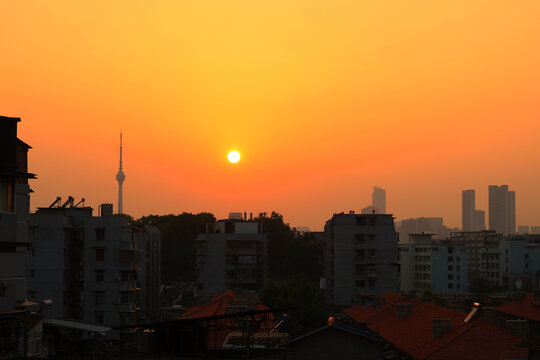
<point x="120" y="177"/>
<point x="502" y="209"/>
<point x="471" y="219"/>
<point x="467" y="209"/>
<point x="378" y="199"/>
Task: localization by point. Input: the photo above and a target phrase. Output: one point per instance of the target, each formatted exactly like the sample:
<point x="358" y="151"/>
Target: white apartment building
<point x="360" y="256"/>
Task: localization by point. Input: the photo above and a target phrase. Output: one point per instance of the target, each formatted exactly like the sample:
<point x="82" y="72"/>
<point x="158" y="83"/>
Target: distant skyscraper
<point x="120" y="177"/>
<point x="378" y="199"/>
<point x="467" y="210"/>
<point x="471" y="219"/>
<point x="502" y="209"/>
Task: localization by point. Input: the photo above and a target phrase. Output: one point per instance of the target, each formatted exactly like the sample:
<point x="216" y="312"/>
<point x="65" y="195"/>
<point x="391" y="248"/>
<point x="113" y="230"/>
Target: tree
<point x="437" y="300"/>
<point x="299" y="294"/>
<point x="289" y="254"/>
<point x="178" y="234"/>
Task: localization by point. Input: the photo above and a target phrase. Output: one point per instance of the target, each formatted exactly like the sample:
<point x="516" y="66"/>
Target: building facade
<point x="436" y="265"/>
<point x="471" y="218"/>
<point x="502" y="210"/>
<point x="96" y="269"/>
<point x="360" y="257"/>
<point x="14" y="212"/>
<point x="230" y="255"/>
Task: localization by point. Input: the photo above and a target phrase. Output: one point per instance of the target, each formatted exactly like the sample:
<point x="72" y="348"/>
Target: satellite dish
<point x="518" y="284"/>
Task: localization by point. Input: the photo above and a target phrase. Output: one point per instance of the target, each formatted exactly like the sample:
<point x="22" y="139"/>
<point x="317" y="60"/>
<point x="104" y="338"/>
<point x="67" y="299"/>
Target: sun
<point x="234" y="156"/>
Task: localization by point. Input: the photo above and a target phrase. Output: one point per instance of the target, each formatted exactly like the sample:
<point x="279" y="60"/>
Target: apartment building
<point x="14" y="204"/>
<point x="230" y="255"/>
<point x="360" y="256"/>
<point x="96" y="269"/>
<point x="438" y="265"/>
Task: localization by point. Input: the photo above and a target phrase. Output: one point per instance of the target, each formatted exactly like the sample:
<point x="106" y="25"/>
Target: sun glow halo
<point x="234" y="157"/>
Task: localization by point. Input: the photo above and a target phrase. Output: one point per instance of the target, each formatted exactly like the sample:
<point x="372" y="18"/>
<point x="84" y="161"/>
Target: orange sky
<point x="323" y="99"/>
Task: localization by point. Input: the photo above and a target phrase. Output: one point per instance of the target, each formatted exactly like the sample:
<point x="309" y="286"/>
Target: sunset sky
<point x="323" y="99"/>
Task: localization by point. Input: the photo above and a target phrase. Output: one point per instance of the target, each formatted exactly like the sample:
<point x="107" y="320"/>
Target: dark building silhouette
<point x="502" y="209"/>
<point x="471" y="219"/>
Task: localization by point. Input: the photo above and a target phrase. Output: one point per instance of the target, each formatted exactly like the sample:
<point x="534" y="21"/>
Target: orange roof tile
<point x="528" y="308"/>
<point x="413" y="334"/>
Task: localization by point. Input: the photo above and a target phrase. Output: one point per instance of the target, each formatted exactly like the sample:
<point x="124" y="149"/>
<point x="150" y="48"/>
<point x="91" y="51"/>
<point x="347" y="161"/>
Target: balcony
<point x="242" y="251"/>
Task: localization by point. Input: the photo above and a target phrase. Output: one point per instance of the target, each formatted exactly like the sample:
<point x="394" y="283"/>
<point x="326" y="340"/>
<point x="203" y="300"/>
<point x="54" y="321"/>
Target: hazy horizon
<point x="323" y="101"/>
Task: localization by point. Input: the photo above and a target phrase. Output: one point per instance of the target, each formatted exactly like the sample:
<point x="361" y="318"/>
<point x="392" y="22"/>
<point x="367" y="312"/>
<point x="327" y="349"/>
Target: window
<point x="450" y="249"/>
<point x="32" y="273"/>
<point x="98" y="317"/>
<point x="124" y="298"/>
<point x="457" y="286"/>
<point x="359" y="238"/>
<point x="457" y="268"/>
<point x="360" y="283"/>
<point x="360" y="253"/>
<point x="506" y="251"/>
<point x="435" y="249"/>
<point x="450" y="277"/>
<point x="359" y="268"/>
<point x="372" y="268"/>
<point x="100" y="254"/>
<point x="100" y="275"/>
<point x="450" y="259"/>
<point x="33" y="252"/>
<point x="371" y="284"/>
<point x="450" y="268"/>
<point x="450" y="285"/>
<point x="32" y="294"/>
<point x="100" y="234"/>
<point x="99" y="297"/>
<point x="6" y="195"/>
<point x="371" y="253"/>
<point x="126" y="318"/>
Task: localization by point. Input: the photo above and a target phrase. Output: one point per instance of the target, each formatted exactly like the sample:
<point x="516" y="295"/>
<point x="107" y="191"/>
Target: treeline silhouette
<point x="289" y="253"/>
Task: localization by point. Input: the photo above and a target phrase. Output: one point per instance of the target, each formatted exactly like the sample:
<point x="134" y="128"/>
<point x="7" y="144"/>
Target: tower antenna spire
<point x="120" y="177"/>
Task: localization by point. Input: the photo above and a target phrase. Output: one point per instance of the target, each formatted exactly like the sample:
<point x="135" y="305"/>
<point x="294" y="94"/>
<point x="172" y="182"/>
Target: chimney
<point x="245" y="216"/>
<point x="250" y="216"/>
<point x="440" y="327"/>
<point x="106" y="210"/>
<point x="519" y="327"/>
<point x="378" y="301"/>
<point x="403" y="310"/>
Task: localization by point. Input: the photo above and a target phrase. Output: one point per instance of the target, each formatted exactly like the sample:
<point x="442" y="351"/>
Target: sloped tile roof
<point x="528" y="308"/>
<point x="413" y="334"/>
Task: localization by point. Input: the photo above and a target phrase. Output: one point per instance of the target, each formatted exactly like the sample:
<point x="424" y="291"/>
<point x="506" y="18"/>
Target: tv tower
<point x="120" y="177"/>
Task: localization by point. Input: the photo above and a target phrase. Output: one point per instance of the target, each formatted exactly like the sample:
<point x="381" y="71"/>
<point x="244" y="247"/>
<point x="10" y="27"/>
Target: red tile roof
<point x="219" y="306"/>
<point x="528" y="308"/>
<point x="364" y="314"/>
<point x="413" y="334"/>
